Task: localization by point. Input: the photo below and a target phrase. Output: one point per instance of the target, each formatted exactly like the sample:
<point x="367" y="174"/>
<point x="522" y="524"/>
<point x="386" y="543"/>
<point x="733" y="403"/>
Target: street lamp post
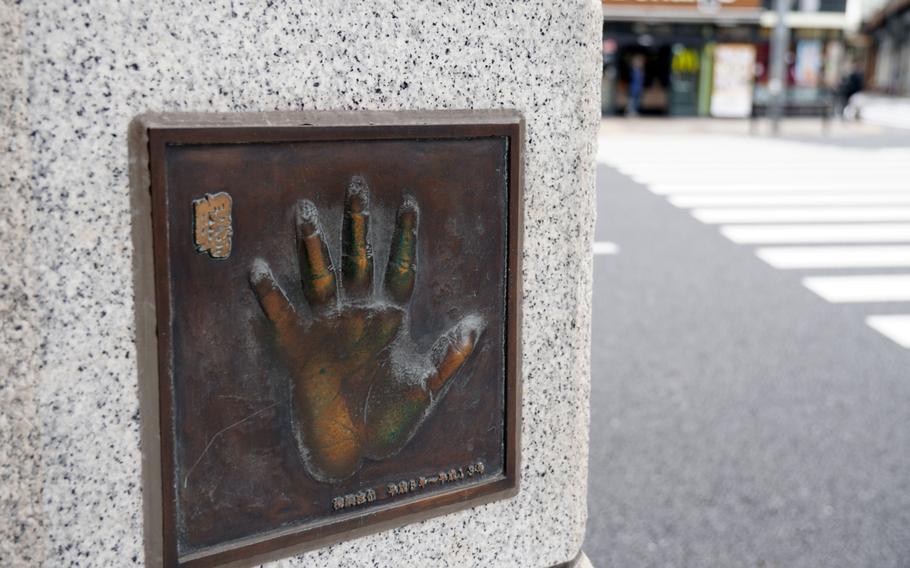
<point x="780" y="44"/>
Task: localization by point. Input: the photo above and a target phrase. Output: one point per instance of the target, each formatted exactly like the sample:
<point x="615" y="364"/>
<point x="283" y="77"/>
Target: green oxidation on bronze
<point x="357" y="265"/>
<point x="392" y="426"/>
<point x="355" y="395"/>
<point x="356" y="254"/>
<point x="401" y="270"/>
<point x="317" y="275"/>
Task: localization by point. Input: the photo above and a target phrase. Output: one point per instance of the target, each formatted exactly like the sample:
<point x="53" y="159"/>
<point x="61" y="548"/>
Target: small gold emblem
<point x="212" y="224"/>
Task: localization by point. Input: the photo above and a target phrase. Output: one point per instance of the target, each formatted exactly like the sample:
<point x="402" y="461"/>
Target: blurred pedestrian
<point x="636" y="84"/>
<point x="851" y="83"/>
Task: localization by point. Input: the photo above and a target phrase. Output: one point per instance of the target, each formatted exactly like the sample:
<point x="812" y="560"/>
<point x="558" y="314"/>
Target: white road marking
<point x="836" y="257"/>
<point x="864" y="288"/>
<point x="770" y="187"/>
<point x="722" y="165"/>
<point x="849" y="163"/>
<point x="894" y="327"/>
<point x="801" y="214"/>
<point x="774" y="199"/>
<point x="808" y="170"/>
<point x="605" y="247"/>
<point x="709" y="176"/>
<point x="848" y="203"/>
<point x="806" y="234"/>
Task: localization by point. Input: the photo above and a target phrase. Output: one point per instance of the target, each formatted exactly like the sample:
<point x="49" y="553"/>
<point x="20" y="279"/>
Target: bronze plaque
<point x="333" y="347"/>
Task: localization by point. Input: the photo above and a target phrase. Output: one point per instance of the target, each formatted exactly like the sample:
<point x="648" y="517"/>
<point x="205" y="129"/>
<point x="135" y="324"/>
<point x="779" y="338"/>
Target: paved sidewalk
<point x="883" y="110"/>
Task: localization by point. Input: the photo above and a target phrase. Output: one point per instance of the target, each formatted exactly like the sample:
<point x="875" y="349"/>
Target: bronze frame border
<point x="149" y="134"/>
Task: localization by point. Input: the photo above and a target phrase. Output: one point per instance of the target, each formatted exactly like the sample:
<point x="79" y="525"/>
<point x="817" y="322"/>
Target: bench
<point x="821" y="108"/>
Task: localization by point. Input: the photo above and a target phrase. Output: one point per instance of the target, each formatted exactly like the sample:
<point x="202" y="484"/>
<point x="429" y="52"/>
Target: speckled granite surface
<point x="20" y="475"/>
<point x="69" y="424"/>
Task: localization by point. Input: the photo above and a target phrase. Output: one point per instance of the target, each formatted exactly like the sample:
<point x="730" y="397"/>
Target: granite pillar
<point x="74" y="74"/>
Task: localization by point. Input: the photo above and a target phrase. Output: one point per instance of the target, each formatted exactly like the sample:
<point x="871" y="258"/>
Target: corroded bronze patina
<point x="334" y="344"/>
<point x="360" y="387"/>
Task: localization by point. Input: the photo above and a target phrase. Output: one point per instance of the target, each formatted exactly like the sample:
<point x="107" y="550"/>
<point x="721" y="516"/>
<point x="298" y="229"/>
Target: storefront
<point x="713" y="60"/>
<point x="672" y="43"/>
<point x="819" y="54"/>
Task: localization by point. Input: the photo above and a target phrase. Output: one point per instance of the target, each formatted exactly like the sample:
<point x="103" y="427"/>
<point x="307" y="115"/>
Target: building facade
<point x="711" y="58"/>
<point x="887" y="24"/>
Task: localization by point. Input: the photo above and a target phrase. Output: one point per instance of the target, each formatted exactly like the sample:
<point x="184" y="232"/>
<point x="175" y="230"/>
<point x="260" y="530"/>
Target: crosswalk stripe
<point x="862" y="288"/>
<point x="803" y="206"/>
<point x="894" y="327"/>
<point x="711" y="173"/>
<point x="807" y="234"/>
<point x="697" y="170"/>
<point x="774" y="199"/>
<point x="801" y="214"/>
<point x="771" y="187"/>
<point x="765" y="174"/>
<point x="836" y="257"/>
<point x="848" y="164"/>
<point x="605" y="247"/>
<point x="668" y="184"/>
<point x="613" y="159"/>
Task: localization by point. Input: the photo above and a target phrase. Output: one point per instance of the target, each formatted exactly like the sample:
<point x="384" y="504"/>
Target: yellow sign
<point x="685" y="61"/>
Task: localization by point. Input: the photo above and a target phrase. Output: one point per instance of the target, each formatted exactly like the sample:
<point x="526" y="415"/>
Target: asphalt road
<point x="738" y="419"/>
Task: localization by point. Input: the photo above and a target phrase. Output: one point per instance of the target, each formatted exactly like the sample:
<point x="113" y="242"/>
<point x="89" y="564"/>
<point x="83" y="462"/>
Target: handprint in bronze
<point x="359" y="387"/>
